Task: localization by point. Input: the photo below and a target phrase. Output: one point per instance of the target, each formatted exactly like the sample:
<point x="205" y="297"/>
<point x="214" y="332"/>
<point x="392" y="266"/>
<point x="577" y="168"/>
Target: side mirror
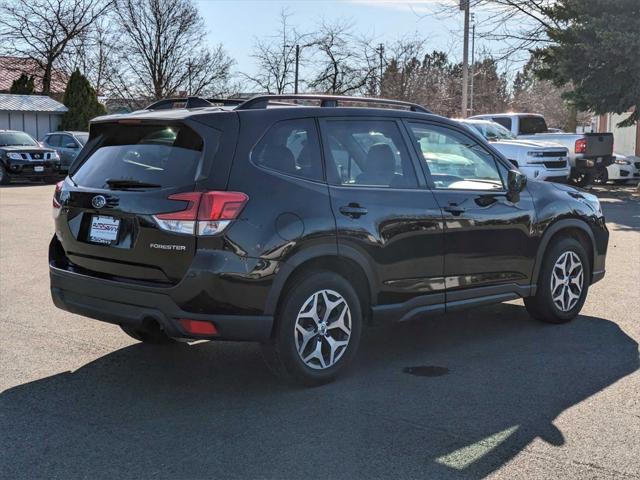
<point x="71" y="145"/>
<point x="516" y="181"/>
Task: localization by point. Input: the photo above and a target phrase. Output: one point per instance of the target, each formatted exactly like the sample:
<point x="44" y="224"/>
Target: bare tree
<point x="345" y="64"/>
<point x="95" y="54"/>
<point x="162" y="51"/>
<point x="276" y="57"/>
<point x="42" y="30"/>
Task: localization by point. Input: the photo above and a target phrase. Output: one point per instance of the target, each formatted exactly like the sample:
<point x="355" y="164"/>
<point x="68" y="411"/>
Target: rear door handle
<point x="454" y="210"/>
<point x="353" y="210"/>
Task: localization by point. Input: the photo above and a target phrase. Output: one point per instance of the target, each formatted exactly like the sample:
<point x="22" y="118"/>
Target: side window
<point x="454" y="160"/>
<point x="53" y="140"/>
<point x="504" y="121"/>
<point x="291" y="147"/>
<point x="66" y="140"/>
<point x="367" y="152"/>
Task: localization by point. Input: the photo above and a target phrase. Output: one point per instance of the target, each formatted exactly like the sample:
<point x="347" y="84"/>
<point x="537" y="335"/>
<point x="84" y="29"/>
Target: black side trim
<point x="553" y="229"/>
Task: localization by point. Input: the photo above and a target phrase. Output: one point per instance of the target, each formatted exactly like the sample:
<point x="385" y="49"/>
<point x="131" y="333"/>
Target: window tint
<point x="454" y="160"/>
<point x="532" y="125"/>
<point x="504" y="121"/>
<point x="291" y="147"/>
<point x="367" y="152"/>
<point x="158" y="154"/>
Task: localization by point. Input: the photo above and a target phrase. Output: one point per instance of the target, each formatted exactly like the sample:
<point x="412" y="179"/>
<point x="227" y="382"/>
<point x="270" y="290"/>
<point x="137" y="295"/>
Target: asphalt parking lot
<point x="504" y="397"/>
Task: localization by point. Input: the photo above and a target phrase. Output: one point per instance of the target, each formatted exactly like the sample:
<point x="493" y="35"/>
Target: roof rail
<point x="261" y="101"/>
<point x="193" y="102"/>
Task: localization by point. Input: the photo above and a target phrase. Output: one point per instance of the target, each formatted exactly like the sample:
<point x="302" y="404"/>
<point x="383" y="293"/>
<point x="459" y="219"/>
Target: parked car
<point x="589" y="153"/>
<point x="295" y="226"/>
<point x="21" y="157"/>
<point x="537" y="160"/>
<point x="67" y="144"/>
<point x="621" y="170"/>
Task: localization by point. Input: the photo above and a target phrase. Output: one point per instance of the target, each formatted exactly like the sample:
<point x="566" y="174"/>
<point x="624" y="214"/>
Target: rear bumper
<point x="133" y="305"/>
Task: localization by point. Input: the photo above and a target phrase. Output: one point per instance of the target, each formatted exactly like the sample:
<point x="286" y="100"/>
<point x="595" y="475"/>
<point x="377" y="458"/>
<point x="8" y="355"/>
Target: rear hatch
<point x="599" y="145"/>
<point x="107" y="225"/>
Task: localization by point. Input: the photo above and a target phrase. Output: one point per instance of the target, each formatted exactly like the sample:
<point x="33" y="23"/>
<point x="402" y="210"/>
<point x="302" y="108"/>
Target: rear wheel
<point x="318" y="330"/>
<point x="4" y="177"/>
<point x="602" y="176"/>
<point x="582" y="179"/>
<point x="148" y="333"/>
<point x="563" y="283"/>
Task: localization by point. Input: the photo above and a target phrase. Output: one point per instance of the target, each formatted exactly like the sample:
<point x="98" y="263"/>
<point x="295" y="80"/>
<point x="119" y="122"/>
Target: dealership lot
<point x="503" y="395"/>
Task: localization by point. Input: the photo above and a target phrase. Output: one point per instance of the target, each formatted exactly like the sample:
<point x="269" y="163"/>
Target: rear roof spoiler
<point x="193" y="102"/>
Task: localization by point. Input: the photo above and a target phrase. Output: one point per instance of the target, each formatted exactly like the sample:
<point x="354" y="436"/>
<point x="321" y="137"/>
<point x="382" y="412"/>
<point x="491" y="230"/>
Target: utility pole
<point x="189" y="73"/>
<point x="464" y="5"/>
<point x="380" y="51"/>
<point x="297" y="66"/>
<point x="473" y="63"/>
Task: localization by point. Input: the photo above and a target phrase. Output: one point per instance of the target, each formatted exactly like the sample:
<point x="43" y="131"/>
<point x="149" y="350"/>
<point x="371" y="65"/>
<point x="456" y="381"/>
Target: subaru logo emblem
<point x="98" y="201"/>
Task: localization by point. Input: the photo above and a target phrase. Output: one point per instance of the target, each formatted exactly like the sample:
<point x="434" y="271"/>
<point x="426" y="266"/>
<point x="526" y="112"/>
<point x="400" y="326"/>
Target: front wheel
<point x="317" y="332"/>
<point x="4" y="177"/>
<point x="562" y="284"/>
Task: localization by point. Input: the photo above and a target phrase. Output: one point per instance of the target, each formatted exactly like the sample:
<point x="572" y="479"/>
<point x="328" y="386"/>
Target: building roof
<point x="30" y="103"/>
<point x="12" y="67"/>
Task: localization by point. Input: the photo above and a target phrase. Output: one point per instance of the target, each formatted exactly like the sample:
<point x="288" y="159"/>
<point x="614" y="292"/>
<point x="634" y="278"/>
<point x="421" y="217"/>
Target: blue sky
<point x="237" y="23"/>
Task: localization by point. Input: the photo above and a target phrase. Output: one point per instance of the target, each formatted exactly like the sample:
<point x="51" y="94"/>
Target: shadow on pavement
<point x="212" y="410"/>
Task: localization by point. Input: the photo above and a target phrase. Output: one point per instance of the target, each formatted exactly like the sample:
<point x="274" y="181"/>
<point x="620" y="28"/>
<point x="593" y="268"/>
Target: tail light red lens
<point x="198" y="327"/>
<point x="581" y="145"/>
<point x="56" y="194"/>
<point x="206" y="213"/>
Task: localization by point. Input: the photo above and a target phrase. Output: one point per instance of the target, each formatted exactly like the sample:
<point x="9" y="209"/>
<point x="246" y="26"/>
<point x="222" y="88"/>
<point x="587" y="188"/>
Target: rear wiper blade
<point x="123" y="183"/>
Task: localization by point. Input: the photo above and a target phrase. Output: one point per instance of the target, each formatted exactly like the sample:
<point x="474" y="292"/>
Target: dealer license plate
<point x="104" y="229"/>
<point x="38" y="169"/>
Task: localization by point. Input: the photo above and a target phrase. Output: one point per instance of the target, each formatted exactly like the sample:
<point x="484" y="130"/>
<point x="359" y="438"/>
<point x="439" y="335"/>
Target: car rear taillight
<point x="198" y="327"/>
<point x="206" y="213"/>
<point x="581" y="145"/>
<point x="56" y="199"/>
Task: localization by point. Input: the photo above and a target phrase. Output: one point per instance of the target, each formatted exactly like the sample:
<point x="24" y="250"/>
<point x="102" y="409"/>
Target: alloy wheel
<point x="567" y="281"/>
<point x="323" y="329"/>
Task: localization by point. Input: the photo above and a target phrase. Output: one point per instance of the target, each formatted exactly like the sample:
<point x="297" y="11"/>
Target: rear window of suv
<point x="163" y="155"/>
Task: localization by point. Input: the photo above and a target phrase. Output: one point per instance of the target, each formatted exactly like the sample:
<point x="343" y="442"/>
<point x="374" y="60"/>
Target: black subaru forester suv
<point x="296" y="220"/>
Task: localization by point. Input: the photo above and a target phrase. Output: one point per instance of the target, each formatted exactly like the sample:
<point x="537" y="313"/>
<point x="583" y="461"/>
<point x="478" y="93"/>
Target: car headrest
<point x="380" y="160"/>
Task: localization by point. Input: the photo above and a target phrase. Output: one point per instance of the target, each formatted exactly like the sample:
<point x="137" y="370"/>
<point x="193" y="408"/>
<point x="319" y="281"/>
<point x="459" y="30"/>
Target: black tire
<point x="601" y="176"/>
<point x="4" y="177"/>
<point x="281" y="353"/>
<point x="583" y="179"/>
<point x="542" y="306"/>
<point x="150" y="333"/>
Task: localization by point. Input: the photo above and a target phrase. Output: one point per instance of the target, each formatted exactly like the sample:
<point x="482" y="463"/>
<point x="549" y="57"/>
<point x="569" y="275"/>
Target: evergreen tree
<point x="595" y="51"/>
<point x="23" y="85"/>
<point x="80" y="98"/>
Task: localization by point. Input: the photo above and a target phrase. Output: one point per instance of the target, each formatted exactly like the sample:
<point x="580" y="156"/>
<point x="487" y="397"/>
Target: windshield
<point x="16" y="139"/>
<point x="493" y="132"/>
<point x="158" y="155"/>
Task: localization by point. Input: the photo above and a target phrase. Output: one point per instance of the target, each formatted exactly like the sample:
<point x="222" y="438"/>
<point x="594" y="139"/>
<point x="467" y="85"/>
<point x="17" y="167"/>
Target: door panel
<point x="488" y="239"/>
<point x="398" y="230"/>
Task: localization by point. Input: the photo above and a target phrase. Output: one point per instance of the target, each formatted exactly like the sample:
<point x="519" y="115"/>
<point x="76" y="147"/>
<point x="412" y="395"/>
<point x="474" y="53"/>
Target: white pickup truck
<point x="589" y="153"/>
<point x="539" y="160"/>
